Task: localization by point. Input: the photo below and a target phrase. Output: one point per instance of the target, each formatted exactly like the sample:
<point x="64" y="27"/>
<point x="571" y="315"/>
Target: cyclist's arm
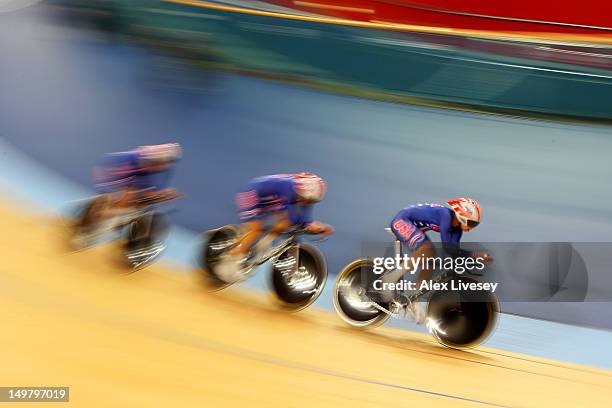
<point x="152" y="181"/>
<point x="300" y="214"/>
<point x="451" y="238"/>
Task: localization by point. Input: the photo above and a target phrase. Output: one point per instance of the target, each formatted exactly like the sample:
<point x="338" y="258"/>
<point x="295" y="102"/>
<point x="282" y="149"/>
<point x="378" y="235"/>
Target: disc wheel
<point x="85" y="223"/>
<point x="298" y="276"/>
<point x="216" y="242"/>
<point x="349" y="298"/>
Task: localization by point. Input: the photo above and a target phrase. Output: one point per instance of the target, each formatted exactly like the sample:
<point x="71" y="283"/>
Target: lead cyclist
<point x="450" y="219"/>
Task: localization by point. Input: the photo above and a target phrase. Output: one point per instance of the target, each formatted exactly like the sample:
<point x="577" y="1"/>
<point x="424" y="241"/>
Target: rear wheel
<point x="82" y="232"/>
<point x="349" y="296"/>
<point x="216" y="243"/>
<point x="298" y="276"/>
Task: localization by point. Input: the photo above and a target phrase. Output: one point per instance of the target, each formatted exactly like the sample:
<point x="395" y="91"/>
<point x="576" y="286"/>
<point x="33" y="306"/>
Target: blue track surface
<point x="68" y="97"/>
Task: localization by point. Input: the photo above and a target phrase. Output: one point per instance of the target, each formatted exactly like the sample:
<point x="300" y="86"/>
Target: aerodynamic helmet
<point x="309" y="186"/>
<point x="160" y="153"/>
<point x="467" y="211"/>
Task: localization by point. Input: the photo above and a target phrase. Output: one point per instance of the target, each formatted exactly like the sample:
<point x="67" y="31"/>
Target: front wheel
<point x="350" y="301"/>
<point x="462" y="319"/>
<point x="298" y="276"/>
<point x="145" y="239"/>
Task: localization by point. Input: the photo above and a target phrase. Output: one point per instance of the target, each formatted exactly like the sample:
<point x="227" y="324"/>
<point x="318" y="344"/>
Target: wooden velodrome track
<point x="156" y="338"/>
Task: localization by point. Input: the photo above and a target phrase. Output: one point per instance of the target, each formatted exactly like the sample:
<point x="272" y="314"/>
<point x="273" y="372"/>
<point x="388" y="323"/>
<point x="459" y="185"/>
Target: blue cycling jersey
<point x="270" y="194"/>
<point x="433" y="217"/>
<point x="410" y="224"/>
<point x="125" y="170"/>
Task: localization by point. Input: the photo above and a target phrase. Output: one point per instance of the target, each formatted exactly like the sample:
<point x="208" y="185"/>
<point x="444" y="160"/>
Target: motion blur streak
<point x="153" y="339"/>
<point x="388" y="25"/>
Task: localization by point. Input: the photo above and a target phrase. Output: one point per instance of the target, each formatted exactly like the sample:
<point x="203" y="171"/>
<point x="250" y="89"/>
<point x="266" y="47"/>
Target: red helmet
<point x="467" y="211"/>
<point x="309" y="186"/>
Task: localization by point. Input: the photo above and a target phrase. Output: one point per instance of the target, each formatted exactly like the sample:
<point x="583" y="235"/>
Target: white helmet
<point x="160" y="153"/>
<point x="467" y="211"/>
<point x="309" y="186"/>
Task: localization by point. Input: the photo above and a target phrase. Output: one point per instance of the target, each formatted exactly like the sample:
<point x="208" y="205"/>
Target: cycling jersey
<point x="411" y="223"/>
<point x="267" y="195"/>
<point x="122" y="170"/>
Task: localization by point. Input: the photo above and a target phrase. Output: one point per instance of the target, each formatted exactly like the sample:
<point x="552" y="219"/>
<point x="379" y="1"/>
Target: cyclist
<point x="130" y="179"/>
<point x="285" y="199"/>
<point x="410" y="225"/>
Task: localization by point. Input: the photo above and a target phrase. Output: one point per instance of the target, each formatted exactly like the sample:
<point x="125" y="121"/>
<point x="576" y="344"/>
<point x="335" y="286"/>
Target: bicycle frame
<point x="399" y="251"/>
<point x="120" y="220"/>
<point x="274" y="251"/>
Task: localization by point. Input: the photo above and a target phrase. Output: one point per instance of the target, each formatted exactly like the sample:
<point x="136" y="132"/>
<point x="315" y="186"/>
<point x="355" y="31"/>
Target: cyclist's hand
<point x="486" y="257"/>
<point x="319" y="228"/>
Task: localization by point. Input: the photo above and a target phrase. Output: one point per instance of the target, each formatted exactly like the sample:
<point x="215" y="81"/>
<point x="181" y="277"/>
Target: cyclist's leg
<point x="409" y="235"/>
<point x="419" y="246"/>
<point x="124" y="198"/>
<point x="251" y="232"/>
<point x="252" y="216"/>
<point x="425" y="251"/>
<point x="378" y="286"/>
<point x="230" y="269"/>
<point x="97" y="211"/>
<point x="414" y="240"/>
<point x="104" y="203"/>
<point x="416" y="305"/>
<point x="280" y="224"/>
